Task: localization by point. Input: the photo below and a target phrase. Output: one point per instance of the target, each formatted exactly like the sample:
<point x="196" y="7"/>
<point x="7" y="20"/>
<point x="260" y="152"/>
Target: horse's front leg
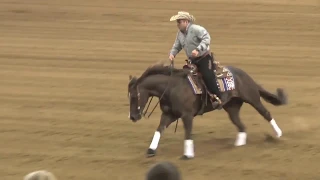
<point x="165" y="121"/>
<point x="188" y="141"/>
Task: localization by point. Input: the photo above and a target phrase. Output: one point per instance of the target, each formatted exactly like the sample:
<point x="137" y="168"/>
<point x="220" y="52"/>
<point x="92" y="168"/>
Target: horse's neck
<point x="156" y="84"/>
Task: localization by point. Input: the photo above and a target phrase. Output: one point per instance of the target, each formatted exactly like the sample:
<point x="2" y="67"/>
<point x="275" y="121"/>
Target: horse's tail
<point x="280" y="98"/>
<point x="163" y="171"/>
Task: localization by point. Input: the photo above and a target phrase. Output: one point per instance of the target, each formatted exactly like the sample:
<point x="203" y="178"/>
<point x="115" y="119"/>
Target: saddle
<point x="197" y="82"/>
<point x="218" y="69"/>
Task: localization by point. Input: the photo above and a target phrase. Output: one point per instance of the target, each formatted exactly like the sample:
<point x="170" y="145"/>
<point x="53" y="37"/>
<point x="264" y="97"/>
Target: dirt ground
<point x="64" y="74"/>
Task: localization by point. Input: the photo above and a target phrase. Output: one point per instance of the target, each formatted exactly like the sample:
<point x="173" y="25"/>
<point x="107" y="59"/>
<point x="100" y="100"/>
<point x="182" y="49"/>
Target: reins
<point x="171" y="66"/>
<point x="171" y="74"/>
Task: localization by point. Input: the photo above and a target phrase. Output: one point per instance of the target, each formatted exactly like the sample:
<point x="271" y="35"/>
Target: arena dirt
<point x="64" y="74"/>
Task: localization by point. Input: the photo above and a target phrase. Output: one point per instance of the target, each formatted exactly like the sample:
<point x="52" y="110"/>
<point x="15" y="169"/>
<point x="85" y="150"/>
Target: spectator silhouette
<point x="40" y="175"/>
<point x="163" y="171"/>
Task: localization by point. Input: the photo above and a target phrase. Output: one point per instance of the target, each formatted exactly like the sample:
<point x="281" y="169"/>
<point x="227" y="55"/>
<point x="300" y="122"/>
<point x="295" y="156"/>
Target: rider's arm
<point x="203" y="34"/>
<point x="176" y="48"/>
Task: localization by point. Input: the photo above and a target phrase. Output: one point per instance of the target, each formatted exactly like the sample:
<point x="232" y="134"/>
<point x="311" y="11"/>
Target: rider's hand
<point x="195" y="53"/>
<point x="171" y="57"/>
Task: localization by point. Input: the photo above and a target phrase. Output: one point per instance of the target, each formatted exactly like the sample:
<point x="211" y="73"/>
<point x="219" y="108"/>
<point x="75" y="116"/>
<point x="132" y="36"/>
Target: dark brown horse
<point x="183" y="95"/>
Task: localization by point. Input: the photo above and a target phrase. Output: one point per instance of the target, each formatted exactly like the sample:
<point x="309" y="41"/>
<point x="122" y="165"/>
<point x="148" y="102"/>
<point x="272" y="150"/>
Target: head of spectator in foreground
<point x="163" y="171"/>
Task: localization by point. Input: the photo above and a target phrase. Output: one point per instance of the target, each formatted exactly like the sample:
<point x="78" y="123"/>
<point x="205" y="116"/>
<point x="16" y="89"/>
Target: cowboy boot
<point x="217" y="104"/>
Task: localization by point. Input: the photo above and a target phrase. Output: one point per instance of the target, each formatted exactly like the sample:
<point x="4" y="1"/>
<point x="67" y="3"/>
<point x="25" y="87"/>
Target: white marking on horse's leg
<point x="129" y="115"/>
<point x="155" y="141"/>
<point x="241" y="139"/>
<point x="188" y="148"/>
<point x="276" y="128"/>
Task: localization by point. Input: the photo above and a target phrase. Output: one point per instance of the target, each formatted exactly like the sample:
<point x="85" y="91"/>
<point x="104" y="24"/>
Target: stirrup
<point x="217" y="98"/>
<point x="218" y="103"/>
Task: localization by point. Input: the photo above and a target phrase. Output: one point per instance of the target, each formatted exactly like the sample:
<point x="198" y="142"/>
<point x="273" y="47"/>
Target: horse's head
<point x="138" y="98"/>
<point x="140" y="89"/>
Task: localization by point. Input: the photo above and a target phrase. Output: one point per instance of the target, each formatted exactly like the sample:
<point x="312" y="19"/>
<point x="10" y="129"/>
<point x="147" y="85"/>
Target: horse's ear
<point x="130" y="77"/>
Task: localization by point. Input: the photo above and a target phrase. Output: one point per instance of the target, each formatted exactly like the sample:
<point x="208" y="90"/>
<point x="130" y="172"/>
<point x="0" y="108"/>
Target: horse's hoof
<point x="184" y="157"/>
<point x="151" y="153"/>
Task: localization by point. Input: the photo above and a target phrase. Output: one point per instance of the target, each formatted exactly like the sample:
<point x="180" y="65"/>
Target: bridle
<point x="139" y="102"/>
<point x="138" y="96"/>
<point x="139" y="105"/>
<point x="139" y="99"/>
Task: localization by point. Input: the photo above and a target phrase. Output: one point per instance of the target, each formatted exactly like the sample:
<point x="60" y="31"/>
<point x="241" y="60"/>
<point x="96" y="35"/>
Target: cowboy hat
<point x="183" y="15"/>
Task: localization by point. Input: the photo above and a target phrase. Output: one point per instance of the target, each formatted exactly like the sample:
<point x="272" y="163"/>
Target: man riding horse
<point x="195" y="40"/>
<point x="237" y="87"/>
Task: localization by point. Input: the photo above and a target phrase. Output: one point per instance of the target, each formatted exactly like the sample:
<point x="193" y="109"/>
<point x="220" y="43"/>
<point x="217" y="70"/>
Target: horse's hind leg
<point x="233" y="109"/>
<point x="267" y="115"/>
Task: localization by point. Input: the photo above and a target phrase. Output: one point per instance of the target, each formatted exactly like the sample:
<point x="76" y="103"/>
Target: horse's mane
<point x="162" y="69"/>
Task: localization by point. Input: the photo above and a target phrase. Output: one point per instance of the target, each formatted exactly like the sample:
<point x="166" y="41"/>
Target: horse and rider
<point x="182" y="92"/>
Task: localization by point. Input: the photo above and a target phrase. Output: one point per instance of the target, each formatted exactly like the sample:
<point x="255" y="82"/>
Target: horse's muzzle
<point x="135" y="118"/>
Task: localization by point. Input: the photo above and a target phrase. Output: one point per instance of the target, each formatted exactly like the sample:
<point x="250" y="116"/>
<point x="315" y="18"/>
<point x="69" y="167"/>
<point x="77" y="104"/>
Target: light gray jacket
<point x="196" y="37"/>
